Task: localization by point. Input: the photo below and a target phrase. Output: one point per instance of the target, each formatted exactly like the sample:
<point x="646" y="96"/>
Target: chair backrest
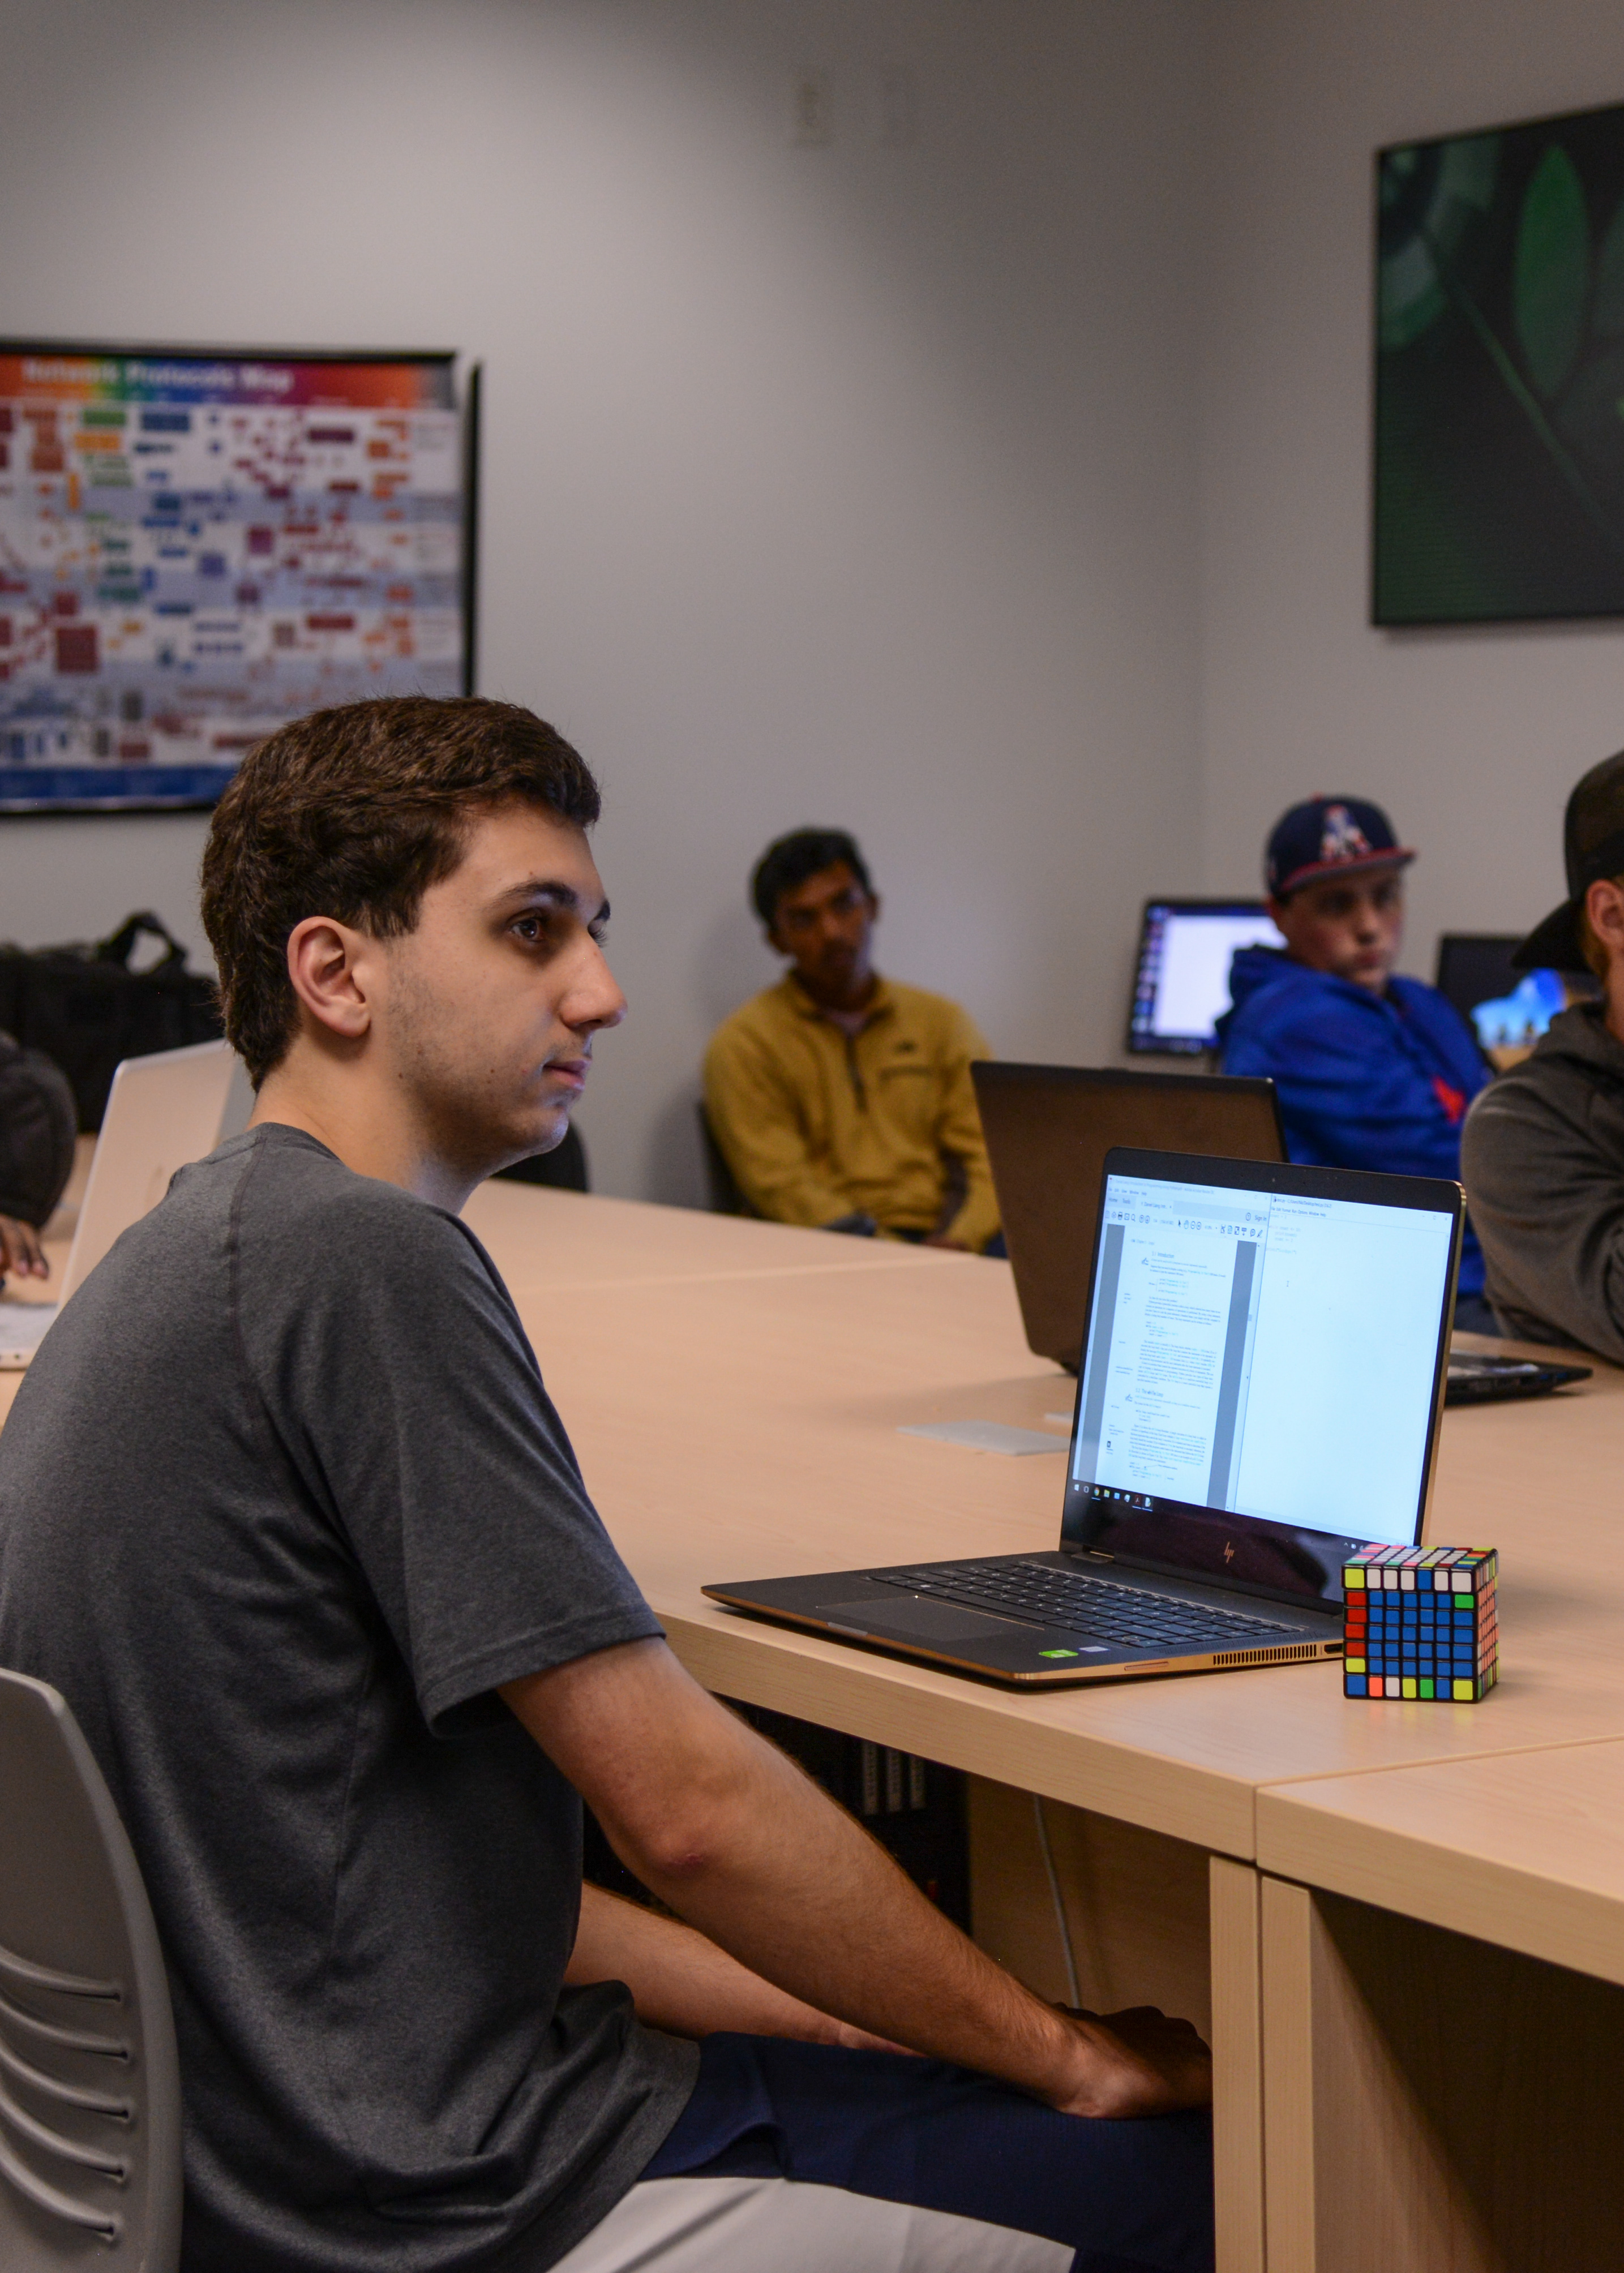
<point x="725" y="1196"/>
<point x="90" y="2124"/>
<point x="563" y="1169"/>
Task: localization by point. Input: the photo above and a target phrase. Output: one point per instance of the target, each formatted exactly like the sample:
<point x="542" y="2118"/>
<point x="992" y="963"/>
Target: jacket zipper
<point x="855" y="1072"/>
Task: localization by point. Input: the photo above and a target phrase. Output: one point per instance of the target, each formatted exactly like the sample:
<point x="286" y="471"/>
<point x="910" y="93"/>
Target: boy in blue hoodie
<point x="1373" y="1071"/>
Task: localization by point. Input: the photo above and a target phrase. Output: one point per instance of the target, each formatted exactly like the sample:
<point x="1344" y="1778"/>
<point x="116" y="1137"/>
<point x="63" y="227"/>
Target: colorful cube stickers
<point x="1419" y="1622"/>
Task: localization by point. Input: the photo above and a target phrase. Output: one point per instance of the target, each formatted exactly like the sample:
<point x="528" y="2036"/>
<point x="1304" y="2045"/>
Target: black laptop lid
<point x="1266" y="1354"/>
<point x="1048" y="1129"/>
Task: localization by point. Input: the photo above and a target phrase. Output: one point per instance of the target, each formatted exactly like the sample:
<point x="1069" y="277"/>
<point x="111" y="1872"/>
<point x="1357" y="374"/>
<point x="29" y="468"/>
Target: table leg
<point x="1237" y="2066"/>
<point x="1135" y="1902"/>
<point x="1153" y="1921"/>
<point x="1432" y="2104"/>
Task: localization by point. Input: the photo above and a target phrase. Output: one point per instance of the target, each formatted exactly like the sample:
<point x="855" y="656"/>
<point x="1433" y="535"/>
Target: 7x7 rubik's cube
<point x="1419" y="1622"/>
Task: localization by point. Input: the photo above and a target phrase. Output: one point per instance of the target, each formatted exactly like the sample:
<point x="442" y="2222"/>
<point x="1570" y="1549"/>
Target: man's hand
<point x="1138" y="2062"/>
<point x="20" y="1249"/>
<point x="735" y="1838"/>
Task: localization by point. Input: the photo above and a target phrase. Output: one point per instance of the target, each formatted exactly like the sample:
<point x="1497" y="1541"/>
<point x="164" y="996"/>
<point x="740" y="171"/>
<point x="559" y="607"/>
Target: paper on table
<point x="986" y="1436"/>
<point x="22" y="1328"/>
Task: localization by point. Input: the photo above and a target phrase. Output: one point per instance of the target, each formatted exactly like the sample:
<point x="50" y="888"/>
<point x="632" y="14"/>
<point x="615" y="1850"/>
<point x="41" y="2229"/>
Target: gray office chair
<point x="90" y="2129"/>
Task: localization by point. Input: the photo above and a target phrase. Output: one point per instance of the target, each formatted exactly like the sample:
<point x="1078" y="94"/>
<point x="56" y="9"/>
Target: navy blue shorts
<point x="1134" y="2197"/>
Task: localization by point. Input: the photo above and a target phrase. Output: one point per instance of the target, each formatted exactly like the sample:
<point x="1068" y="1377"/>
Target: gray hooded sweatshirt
<point x="1542" y="1159"/>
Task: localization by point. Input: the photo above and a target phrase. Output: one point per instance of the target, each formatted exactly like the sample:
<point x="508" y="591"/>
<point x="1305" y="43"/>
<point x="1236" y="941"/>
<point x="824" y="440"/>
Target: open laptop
<point x="1259" y="1398"/>
<point x="1507" y="1010"/>
<point x="1048" y="1129"/>
<point x="1180" y="975"/>
<point x="164" y="1110"/>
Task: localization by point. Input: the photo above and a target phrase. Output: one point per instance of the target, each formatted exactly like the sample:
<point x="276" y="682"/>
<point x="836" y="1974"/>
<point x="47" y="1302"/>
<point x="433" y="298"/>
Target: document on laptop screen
<point x="1268" y="1354"/>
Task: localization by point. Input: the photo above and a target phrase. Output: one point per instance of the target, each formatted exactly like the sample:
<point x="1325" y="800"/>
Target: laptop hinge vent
<point x="1266" y="1656"/>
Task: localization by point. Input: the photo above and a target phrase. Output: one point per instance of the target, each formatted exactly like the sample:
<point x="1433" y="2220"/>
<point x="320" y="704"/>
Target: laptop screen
<point x="1507" y="1010"/>
<point x="1181" y="986"/>
<point x="1263" y="1368"/>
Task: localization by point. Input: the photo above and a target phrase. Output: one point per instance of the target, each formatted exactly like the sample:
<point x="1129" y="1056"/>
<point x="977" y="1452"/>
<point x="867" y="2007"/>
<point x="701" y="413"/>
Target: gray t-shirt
<point x="283" y="1500"/>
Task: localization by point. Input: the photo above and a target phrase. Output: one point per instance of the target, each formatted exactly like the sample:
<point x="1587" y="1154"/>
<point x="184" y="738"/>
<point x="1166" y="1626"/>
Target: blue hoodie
<point x="1366" y="1080"/>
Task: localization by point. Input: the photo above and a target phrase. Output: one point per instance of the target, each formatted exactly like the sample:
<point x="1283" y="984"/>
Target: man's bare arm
<point x="731" y="1835"/>
<point x="683" y="1983"/>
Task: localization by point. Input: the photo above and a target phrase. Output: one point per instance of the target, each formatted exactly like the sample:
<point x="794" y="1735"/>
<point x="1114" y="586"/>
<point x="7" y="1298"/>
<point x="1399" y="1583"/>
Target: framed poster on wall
<point x="196" y="546"/>
<point x="1500" y="374"/>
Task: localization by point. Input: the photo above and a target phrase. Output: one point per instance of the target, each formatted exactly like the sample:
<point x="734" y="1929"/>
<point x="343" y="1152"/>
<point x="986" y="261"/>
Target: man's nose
<point x="596" y="1002"/>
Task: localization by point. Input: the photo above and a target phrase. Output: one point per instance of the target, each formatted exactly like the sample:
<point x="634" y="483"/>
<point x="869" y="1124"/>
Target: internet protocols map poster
<point x="195" y="549"/>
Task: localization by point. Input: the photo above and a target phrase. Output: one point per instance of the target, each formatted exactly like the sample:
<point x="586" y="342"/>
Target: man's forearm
<point x="863" y="1944"/>
<point x="731" y="1835"/>
<point x="680" y="1980"/>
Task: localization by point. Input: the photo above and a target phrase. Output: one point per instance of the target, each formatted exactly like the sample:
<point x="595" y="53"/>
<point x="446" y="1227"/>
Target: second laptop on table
<point x="1048" y="1129"/>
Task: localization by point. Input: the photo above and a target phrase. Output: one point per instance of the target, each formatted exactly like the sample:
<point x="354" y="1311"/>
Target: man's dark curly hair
<point x="789" y="860"/>
<point x="353" y="814"/>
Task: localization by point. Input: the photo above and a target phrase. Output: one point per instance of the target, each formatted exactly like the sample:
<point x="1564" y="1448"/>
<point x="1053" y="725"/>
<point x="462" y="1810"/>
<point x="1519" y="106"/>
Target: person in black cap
<point x="1373" y="1071"/>
<point x="1543" y="1156"/>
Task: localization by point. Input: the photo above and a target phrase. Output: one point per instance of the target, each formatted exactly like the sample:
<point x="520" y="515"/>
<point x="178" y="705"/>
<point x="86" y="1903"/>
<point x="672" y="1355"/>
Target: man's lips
<point x="572" y="1071"/>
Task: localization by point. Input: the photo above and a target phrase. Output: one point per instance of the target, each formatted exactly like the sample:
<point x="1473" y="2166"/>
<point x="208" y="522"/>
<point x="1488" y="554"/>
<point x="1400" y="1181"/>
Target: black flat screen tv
<point x="1499" y="493"/>
<point x="198" y="545"/>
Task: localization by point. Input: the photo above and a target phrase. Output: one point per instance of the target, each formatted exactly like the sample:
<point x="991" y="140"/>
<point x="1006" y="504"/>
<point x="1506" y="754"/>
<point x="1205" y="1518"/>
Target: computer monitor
<point x="1507" y="1010"/>
<point x="1268" y="1343"/>
<point x="1181" y="986"/>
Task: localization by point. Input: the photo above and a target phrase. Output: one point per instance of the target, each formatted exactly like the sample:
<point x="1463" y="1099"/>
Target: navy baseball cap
<point x="1329" y="837"/>
<point x="1593" y="848"/>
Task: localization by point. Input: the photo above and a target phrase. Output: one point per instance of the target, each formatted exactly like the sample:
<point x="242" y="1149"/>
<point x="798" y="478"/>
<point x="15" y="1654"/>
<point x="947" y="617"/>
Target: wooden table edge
<point x="1517" y="1907"/>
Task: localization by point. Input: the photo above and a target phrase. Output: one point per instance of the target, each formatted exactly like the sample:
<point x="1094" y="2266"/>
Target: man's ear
<point x="1603" y="904"/>
<point x="325" y="970"/>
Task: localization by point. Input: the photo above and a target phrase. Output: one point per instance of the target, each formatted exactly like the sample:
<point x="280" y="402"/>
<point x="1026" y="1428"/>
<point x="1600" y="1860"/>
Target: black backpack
<point x="37" y="1126"/>
<point x="87" y="1011"/>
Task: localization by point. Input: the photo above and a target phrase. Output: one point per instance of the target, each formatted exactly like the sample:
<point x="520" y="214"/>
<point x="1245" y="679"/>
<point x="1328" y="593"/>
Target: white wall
<point x="852" y="484"/>
<point x="1472" y="736"/>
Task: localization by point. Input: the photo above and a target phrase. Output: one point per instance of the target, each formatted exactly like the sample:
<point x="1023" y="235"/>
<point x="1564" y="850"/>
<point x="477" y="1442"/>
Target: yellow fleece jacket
<point x="816" y="1126"/>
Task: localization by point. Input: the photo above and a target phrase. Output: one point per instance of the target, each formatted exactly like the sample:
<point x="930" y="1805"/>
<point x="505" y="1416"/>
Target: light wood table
<point x="556" y="1239"/>
<point x="1443" y="2000"/>
<point x="751" y="1425"/>
<point x="744" y="1421"/>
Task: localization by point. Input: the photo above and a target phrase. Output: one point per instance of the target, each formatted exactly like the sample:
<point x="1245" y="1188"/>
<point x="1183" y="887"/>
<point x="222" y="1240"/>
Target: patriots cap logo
<point x="1326" y="835"/>
<point x="1341" y="838"/>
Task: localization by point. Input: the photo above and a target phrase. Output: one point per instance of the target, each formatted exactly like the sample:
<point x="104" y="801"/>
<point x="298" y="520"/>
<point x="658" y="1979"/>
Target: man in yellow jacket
<point x="840" y="1099"/>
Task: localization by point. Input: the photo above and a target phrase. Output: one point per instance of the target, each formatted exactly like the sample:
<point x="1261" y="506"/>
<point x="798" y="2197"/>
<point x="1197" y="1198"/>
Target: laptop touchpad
<point x="924" y="1620"/>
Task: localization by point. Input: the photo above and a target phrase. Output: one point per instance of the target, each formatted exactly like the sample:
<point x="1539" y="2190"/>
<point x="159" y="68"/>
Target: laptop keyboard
<point x="1099" y="1608"/>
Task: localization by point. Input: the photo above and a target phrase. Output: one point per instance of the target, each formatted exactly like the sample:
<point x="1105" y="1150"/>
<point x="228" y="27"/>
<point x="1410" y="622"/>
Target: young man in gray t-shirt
<point x="287" y="1515"/>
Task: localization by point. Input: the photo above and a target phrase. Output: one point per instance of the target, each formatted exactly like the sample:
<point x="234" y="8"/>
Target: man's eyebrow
<point x="561" y="894"/>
